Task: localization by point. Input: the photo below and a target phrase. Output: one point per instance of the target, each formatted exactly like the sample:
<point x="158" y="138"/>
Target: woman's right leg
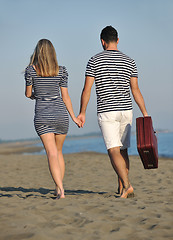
<point x="59" y="139"/>
<point x="49" y="143"/>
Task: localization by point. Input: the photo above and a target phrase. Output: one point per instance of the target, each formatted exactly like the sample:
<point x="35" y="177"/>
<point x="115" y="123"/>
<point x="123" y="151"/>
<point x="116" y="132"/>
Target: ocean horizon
<point x="96" y="144"/>
<point x="93" y="142"/>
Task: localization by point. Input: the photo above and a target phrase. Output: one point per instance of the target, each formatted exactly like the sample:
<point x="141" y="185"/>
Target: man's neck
<point x="112" y="46"/>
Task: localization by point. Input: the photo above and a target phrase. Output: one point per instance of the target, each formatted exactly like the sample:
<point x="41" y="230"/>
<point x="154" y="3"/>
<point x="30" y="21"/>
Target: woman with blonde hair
<point x="46" y="82"/>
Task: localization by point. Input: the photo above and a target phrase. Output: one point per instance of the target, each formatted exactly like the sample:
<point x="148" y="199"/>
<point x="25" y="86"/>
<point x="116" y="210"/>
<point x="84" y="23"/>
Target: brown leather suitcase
<point x="147" y="142"/>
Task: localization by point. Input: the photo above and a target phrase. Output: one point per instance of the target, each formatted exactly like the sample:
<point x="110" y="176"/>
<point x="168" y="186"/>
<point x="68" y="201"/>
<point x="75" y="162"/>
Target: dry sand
<point x="91" y="209"/>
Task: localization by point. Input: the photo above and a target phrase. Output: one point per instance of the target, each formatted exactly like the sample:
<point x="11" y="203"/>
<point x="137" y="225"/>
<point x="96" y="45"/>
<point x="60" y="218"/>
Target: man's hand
<point x="81" y="117"/>
<point x="85" y="98"/>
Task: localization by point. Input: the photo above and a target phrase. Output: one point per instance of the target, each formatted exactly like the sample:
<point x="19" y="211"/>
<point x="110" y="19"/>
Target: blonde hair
<point x="44" y="59"/>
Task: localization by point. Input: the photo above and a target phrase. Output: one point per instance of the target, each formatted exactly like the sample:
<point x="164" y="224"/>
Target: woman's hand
<point x="77" y="121"/>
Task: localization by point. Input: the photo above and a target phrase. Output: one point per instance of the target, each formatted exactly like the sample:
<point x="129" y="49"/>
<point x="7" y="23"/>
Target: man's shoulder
<point x="102" y="53"/>
<point x="126" y="56"/>
<point x="97" y="55"/>
<point x="108" y="53"/>
<point x="116" y="56"/>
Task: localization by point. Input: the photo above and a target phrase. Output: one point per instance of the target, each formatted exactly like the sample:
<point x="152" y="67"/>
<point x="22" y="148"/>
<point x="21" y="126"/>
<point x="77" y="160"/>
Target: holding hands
<point x="77" y="121"/>
<point x="81" y="117"/>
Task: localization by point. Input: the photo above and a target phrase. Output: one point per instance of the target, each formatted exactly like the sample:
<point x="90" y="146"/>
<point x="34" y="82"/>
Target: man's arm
<point x="138" y="95"/>
<point x="85" y="97"/>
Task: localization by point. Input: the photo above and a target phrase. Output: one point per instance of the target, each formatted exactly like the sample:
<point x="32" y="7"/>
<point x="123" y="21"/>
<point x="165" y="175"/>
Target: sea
<point x="95" y="143"/>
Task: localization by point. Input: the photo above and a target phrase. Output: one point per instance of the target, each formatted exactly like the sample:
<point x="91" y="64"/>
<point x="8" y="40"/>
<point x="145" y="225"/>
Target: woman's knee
<point x="60" y="141"/>
<point x="52" y="154"/>
<point x="59" y="148"/>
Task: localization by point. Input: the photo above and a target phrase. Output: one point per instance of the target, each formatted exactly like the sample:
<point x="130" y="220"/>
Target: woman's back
<point x="46" y="87"/>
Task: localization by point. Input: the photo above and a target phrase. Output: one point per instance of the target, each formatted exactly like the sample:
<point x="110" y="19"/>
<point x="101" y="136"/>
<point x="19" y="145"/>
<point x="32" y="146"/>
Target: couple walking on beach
<point x="114" y="74"/>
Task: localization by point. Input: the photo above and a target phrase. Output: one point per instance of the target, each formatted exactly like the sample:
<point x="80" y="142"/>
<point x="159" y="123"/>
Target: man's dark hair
<point x="109" y="34"/>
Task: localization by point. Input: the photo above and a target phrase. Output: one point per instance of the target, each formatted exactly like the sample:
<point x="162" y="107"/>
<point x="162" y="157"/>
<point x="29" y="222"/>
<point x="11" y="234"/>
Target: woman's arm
<point x="66" y="99"/>
<point x="29" y="93"/>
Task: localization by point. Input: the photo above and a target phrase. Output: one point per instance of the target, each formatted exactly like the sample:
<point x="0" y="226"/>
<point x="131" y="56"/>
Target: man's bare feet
<point x="126" y="192"/>
<point x="119" y="191"/>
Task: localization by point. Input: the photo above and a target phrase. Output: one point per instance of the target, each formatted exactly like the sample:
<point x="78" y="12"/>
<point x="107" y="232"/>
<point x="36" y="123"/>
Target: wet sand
<point x="91" y="209"/>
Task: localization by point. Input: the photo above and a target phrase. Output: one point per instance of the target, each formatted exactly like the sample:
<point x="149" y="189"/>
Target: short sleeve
<point x="90" y="70"/>
<point x="64" y="79"/>
<point x="28" y="77"/>
<point x="134" y="70"/>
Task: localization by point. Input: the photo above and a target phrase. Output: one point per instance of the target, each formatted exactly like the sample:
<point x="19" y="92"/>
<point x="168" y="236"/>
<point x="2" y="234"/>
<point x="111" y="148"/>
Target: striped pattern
<point x="112" y="71"/>
<point x="50" y="111"/>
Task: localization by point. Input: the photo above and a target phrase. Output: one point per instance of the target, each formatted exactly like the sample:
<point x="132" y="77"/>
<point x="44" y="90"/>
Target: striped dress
<point x="50" y="111"/>
<point x="112" y="71"/>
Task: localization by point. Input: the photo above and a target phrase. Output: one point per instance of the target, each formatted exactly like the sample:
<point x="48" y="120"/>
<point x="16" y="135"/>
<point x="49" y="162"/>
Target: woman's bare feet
<point x="127" y="192"/>
<point x="59" y="193"/>
<point x="62" y="194"/>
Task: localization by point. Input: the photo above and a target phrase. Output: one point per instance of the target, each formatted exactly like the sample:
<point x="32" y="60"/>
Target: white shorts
<point x="116" y="128"/>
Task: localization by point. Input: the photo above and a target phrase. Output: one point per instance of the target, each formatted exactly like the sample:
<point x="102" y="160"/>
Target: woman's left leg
<point x="49" y="143"/>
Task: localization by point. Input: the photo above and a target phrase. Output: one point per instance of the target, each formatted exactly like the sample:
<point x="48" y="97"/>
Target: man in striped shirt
<point x="114" y="74"/>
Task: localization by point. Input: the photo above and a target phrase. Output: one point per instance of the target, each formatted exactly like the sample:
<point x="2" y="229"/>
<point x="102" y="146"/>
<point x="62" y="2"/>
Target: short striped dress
<point x="51" y="115"/>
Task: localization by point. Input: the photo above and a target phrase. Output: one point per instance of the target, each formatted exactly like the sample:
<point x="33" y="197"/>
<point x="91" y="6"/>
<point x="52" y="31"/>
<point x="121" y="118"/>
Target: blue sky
<point x="145" y="32"/>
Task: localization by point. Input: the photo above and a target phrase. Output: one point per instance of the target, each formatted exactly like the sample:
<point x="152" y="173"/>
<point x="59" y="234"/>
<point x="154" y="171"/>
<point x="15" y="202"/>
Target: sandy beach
<point x="91" y="209"/>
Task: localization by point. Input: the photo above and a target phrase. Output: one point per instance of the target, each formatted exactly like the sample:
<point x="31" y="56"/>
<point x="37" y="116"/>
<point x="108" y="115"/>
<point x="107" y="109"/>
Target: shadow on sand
<point x="46" y="193"/>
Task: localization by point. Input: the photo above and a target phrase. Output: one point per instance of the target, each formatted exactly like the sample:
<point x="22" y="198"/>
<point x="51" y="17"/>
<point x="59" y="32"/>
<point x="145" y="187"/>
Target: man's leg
<point x="125" y="133"/>
<point x="111" y="126"/>
<point x="119" y="165"/>
<point x="124" y="154"/>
